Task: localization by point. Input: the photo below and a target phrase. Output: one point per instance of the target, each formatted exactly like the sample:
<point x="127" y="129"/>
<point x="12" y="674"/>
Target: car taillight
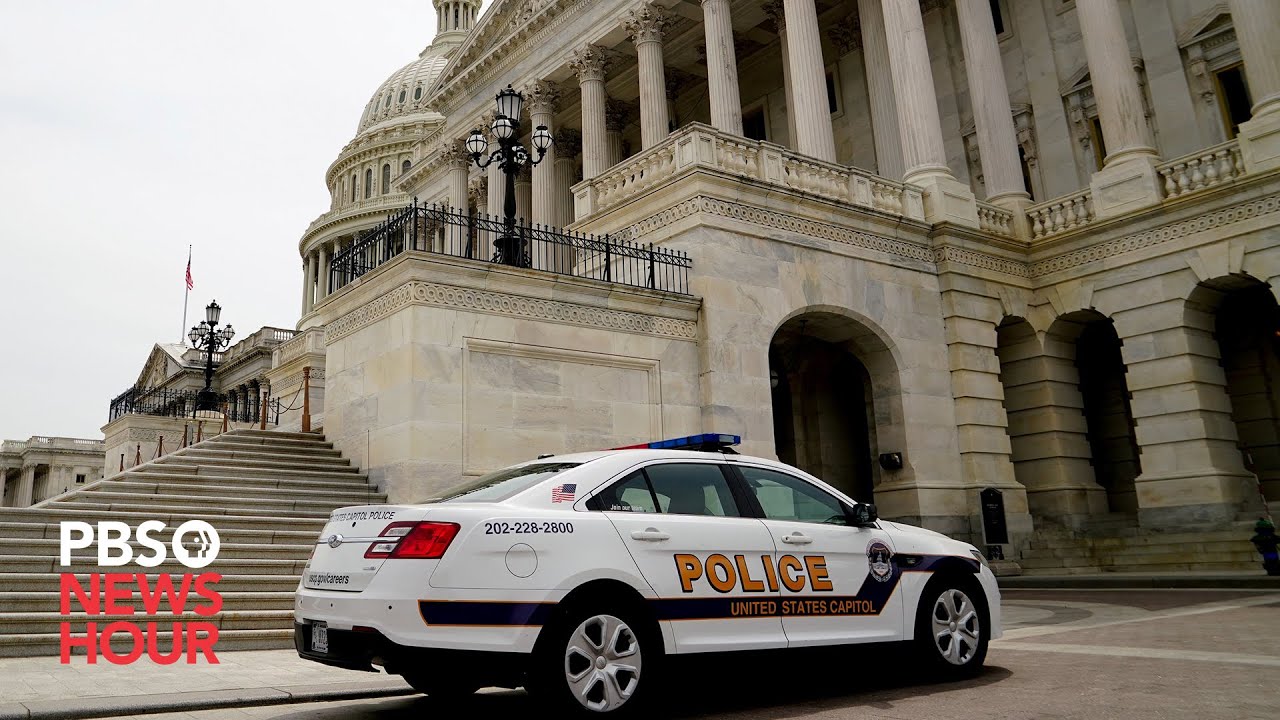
<point x="420" y="540"/>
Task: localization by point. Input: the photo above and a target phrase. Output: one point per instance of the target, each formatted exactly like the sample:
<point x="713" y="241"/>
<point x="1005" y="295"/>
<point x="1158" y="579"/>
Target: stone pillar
<point x="722" y="67"/>
<point x="1128" y="180"/>
<point x="811" y="111"/>
<point x="589" y="63"/>
<point x="568" y="144"/>
<point x="1173" y="101"/>
<point x="308" y="284"/>
<point x="322" y="266"/>
<point x="1257" y="24"/>
<point x="992" y="115"/>
<point x="478" y="192"/>
<point x="615" y="119"/>
<point x="542" y="97"/>
<point x="497" y="184"/>
<point x="1192" y="471"/>
<point x="524" y="194"/>
<point x="884" y="112"/>
<point x="456" y="159"/>
<point x="26" y="487"/>
<point x="645" y="25"/>
<point x="776" y="12"/>
<point x="919" y="127"/>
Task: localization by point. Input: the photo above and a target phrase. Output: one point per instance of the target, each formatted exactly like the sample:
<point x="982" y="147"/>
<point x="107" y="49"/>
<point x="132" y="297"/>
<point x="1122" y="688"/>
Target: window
<point x="505" y="483"/>
<point x="997" y="17"/>
<point x="388" y="103"/>
<point x="753" y="123"/>
<point x="674" y="488"/>
<point x="368" y="183"/>
<point x="1233" y="98"/>
<point x="353" y="187"/>
<point x="417" y="93"/>
<point x="79" y="479"/>
<point x="404" y="167"/>
<point x="401" y="98"/>
<point x="1098" y="141"/>
<point x="455" y="17"/>
<point x="784" y="497"/>
<point x="833" y="99"/>
<point x="386" y="178"/>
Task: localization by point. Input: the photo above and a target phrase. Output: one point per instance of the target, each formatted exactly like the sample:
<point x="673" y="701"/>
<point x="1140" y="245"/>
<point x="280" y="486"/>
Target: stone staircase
<point x="268" y="494"/>
<point x="1117" y="544"/>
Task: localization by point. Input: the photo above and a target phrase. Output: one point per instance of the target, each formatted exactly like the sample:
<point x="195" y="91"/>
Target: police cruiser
<point x="576" y="575"/>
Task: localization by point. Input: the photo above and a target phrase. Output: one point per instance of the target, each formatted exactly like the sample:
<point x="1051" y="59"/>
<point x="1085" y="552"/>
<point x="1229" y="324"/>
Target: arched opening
<point x="1246" y="325"/>
<point x="827" y="372"/>
<point x="368" y="183"/>
<point x="386" y="178"/>
<point x="1104" y="394"/>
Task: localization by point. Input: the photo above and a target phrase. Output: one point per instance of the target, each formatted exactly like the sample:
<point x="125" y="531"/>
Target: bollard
<point x="306" y="399"/>
<point x="160" y="447"/>
<point x="137" y="456"/>
<point x="121" y="462"/>
<point x="262" y="410"/>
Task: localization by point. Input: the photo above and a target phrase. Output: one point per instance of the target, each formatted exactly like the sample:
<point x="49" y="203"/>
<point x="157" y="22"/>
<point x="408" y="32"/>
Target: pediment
<point x="503" y="20"/>
<point x="1214" y="21"/>
<point x="159" y="367"/>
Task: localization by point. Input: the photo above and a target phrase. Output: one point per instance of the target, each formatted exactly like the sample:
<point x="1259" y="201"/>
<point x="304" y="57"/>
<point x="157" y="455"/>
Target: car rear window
<point x="502" y="484"/>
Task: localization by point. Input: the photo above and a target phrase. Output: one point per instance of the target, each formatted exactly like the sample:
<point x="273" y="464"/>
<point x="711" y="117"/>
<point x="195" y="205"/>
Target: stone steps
<point x="268" y="494"/>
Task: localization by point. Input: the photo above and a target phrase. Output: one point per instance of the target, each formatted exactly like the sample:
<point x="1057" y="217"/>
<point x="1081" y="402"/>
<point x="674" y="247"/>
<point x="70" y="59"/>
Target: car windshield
<point x="500" y="485"/>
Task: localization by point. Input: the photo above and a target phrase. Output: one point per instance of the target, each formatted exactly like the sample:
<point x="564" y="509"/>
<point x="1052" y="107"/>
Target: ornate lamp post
<point x="205" y="336"/>
<point x="512" y="155"/>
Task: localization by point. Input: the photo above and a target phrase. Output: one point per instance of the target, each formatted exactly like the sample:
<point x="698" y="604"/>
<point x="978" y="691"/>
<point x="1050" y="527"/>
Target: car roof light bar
<point x="705" y="442"/>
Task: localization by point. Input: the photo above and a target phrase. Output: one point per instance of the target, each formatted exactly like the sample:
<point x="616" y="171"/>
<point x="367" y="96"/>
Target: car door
<point x="838" y="582"/>
<point x="704" y="558"/>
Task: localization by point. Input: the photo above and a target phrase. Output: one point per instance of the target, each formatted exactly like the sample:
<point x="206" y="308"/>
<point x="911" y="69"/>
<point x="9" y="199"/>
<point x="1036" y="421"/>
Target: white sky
<point x="131" y="128"/>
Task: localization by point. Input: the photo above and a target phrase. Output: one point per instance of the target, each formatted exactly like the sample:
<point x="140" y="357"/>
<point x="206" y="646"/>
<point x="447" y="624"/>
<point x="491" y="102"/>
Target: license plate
<point x="319" y="637"/>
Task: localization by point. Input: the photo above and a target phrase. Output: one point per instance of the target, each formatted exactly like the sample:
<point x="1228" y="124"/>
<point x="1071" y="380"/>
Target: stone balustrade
<point x="43" y="442"/>
<point x="1059" y="215"/>
<point x="701" y="147"/>
<point x="265" y="337"/>
<point x="390" y="201"/>
<point x="311" y="340"/>
<point x="995" y="220"/>
<point x="1204" y="169"/>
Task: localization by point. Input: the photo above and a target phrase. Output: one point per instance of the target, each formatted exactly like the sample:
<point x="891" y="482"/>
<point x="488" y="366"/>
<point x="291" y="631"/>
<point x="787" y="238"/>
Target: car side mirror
<point x="863" y="514"/>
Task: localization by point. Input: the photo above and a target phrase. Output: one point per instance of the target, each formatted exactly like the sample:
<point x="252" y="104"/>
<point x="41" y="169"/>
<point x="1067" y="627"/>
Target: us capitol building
<point x="921" y="249"/>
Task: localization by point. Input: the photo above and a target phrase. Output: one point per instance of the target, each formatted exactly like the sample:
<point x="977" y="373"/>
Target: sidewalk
<point x="41" y="688"/>
<point x="1135" y="580"/>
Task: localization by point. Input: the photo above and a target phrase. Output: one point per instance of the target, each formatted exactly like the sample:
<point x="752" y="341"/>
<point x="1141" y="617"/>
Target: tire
<point x="596" y="660"/>
<point x="953" y="628"/>
<point x="441" y="687"/>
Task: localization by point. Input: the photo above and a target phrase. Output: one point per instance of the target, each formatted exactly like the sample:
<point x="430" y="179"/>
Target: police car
<point x="575" y="576"/>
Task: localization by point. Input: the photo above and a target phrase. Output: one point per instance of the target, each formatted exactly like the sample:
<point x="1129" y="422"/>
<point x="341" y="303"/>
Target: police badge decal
<point x="878" y="561"/>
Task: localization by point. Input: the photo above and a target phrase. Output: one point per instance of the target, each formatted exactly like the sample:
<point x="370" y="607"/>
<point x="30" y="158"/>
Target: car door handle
<point x="797" y="539"/>
<point x="650" y="534"/>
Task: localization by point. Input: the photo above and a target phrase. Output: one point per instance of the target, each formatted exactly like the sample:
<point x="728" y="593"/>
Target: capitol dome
<point x="405" y="92"/>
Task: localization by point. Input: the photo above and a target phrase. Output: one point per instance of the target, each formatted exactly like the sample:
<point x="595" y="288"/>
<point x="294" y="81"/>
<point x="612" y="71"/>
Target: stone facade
<point x="43" y="467"/>
<point x="935" y="250"/>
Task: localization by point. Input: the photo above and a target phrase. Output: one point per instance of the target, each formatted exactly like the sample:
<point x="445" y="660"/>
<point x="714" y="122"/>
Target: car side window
<point x="692" y="489"/>
<point x="786" y="497"/>
<point x="672" y="488"/>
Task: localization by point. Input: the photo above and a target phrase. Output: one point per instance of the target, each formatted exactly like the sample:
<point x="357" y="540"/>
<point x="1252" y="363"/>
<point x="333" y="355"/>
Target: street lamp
<point x="206" y="336"/>
<point x="511" y="155"/>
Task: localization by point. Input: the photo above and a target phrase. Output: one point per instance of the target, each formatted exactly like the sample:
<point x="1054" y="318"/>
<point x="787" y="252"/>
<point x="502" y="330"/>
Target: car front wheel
<point x="952" y="628"/>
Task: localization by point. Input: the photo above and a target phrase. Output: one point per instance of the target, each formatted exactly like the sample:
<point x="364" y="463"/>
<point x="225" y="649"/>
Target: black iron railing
<point x="438" y="229"/>
<point x="166" y="402"/>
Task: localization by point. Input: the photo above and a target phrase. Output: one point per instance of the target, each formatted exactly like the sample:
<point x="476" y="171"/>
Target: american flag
<point x="190" y="284"/>
<point x="563" y="493"/>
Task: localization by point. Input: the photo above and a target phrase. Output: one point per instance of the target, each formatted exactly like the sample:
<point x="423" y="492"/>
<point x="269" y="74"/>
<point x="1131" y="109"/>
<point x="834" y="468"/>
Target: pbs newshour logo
<point x="164" y="602"/>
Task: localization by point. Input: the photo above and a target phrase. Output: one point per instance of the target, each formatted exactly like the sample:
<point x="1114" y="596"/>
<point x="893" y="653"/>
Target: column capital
<point x="590" y="62"/>
<point x="541" y="96"/>
<point x="454" y="155"/>
<point x="568" y="143"/>
<point x="846" y="34"/>
<point x="478" y="189"/>
<point x="616" y="113"/>
<point x="647" y="23"/>
<point x="525" y="174"/>
<point x="774" y="10"/>
<point x="486" y="124"/>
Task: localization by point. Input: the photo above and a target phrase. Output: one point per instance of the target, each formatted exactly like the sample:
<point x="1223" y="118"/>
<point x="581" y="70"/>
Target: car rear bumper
<point x="366" y="649"/>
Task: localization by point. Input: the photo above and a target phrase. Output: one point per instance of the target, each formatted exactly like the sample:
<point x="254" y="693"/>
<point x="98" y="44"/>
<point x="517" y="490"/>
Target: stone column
<point x="541" y="98"/>
<point x="775" y="11"/>
<point x="478" y="192"/>
<point x="884" y="112"/>
<point x="1192" y="471"/>
<point x="1128" y="180"/>
<point x="810" y="111"/>
<point x="568" y="144"/>
<point x="26" y="487"/>
<point x="722" y="67"/>
<point x="919" y="127"/>
<point x="497" y="184"/>
<point x="589" y="63"/>
<point x="645" y="25"/>
<point x="992" y="115"/>
<point x="322" y="266"/>
<point x="308" y="284"/>
<point x="456" y="159"/>
<point x="1257" y="24"/>
<point x="524" y="194"/>
<point x="615" y="119"/>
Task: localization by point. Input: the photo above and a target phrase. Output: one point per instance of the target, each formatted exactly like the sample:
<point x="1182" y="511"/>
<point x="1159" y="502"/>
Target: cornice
<point x="507" y="305"/>
<point x="373" y="210"/>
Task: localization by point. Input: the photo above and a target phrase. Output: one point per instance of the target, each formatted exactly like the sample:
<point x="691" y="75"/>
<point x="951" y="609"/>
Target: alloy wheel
<point x="602" y="662"/>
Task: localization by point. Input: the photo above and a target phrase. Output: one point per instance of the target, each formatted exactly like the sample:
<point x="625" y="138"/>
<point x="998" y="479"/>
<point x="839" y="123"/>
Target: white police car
<point x="576" y="575"/>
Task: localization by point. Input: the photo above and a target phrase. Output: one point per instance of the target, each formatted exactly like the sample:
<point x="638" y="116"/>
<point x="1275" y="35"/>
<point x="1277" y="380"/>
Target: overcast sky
<point x="130" y="129"/>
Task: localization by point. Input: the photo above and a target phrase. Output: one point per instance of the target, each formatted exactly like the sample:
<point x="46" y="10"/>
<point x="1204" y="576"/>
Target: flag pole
<point x="186" y="283"/>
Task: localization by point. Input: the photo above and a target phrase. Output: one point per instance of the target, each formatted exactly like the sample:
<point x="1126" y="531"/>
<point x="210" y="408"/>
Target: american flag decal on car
<point x="563" y="493"/>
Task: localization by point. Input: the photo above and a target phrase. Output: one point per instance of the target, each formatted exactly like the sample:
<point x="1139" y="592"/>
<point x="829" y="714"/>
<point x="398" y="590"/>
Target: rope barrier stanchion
<point x="262" y="411"/>
<point x="306" y="399"/>
<point x="137" y="456"/>
<point x="121" y="462"/>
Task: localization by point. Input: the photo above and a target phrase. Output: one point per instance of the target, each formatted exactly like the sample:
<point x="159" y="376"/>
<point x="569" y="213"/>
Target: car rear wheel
<point x="952" y="627"/>
<point x="596" y="661"/>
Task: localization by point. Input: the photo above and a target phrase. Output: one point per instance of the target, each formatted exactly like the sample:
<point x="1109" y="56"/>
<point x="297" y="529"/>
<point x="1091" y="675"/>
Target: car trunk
<point x="338" y="561"/>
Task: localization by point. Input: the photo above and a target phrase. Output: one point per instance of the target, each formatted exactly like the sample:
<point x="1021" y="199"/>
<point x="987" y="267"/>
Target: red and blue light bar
<point x="713" y="442"/>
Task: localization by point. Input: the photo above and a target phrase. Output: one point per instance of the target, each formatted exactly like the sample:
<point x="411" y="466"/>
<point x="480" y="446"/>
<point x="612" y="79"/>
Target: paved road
<point x="1066" y="654"/>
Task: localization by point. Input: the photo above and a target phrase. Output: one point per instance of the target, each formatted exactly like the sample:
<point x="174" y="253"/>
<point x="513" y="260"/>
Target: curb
<point x="1140" y="582"/>
<point x="98" y="707"/>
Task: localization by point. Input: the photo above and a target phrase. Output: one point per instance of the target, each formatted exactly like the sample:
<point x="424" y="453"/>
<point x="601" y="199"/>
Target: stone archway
<point x="1246" y="326"/>
<point x="834" y="386"/>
